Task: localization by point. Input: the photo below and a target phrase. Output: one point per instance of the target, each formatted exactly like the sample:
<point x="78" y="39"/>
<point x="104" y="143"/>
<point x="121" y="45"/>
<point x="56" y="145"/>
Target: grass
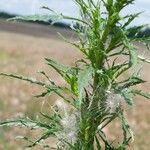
<point x="16" y="55"/>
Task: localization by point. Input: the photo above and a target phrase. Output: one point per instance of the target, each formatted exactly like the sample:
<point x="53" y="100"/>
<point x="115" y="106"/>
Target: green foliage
<point x="94" y="91"/>
<point x="84" y="77"/>
<point x="5" y="15"/>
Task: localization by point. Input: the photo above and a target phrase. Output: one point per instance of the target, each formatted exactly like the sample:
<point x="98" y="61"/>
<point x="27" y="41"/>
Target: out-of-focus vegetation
<point x="4" y="15"/>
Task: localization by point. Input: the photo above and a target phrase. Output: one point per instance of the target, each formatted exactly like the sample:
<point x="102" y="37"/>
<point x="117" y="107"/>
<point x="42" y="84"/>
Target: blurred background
<point x="23" y="47"/>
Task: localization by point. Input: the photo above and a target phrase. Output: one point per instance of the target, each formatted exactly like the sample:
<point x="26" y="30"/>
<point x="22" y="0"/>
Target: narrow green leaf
<point x="130" y="19"/>
<point x="126" y="93"/>
<point x="60" y="68"/>
<point x="141" y="93"/>
<point x="46" y="18"/>
<point x="49" y="88"/>
<point x="31" y="80"/>
<point x="33" y="143"/>
<point x="83" y="80"/>
<point x="25" y="122"/>
<point x="68" y="73"/>
<point x="44" y="136"/>
<point x="133" y="59"/>
<point x="133" y="80"/>
<point x="133" y="55"/>
<point x="127" y="132"/>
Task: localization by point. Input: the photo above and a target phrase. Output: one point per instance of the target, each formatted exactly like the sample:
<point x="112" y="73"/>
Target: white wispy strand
<point x="113" y="101"/>
<point x="62" y="106"/>
<point x="69" y="130"/>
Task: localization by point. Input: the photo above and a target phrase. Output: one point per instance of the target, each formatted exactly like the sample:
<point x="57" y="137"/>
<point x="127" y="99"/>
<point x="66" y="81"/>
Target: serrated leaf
<point x="49" y="88"/>
<point x="130" y="18"/>
<point x="133" y="55"/>
<point x="24" y="122"/>
<point x="45" y="18"/>
<point x="83" y="79"/>
<point x="141" y="93"/>
<point x="60" y="68"/>
<point x="126" y="93"/>
<point x="127" y="132"/>
<point x="28" y="79"/>
<point x="44" y="136"/>
<point x="68" y="73"/>
<point x="133" y="80"/>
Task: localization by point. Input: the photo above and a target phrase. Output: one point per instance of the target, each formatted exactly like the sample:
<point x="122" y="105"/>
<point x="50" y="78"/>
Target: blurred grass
<point x="24" y="54"/>
<point x="3" y="56"/>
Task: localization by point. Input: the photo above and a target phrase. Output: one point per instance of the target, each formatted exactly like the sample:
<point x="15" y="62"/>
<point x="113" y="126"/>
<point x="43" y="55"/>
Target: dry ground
<point x="22" y="51"/>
